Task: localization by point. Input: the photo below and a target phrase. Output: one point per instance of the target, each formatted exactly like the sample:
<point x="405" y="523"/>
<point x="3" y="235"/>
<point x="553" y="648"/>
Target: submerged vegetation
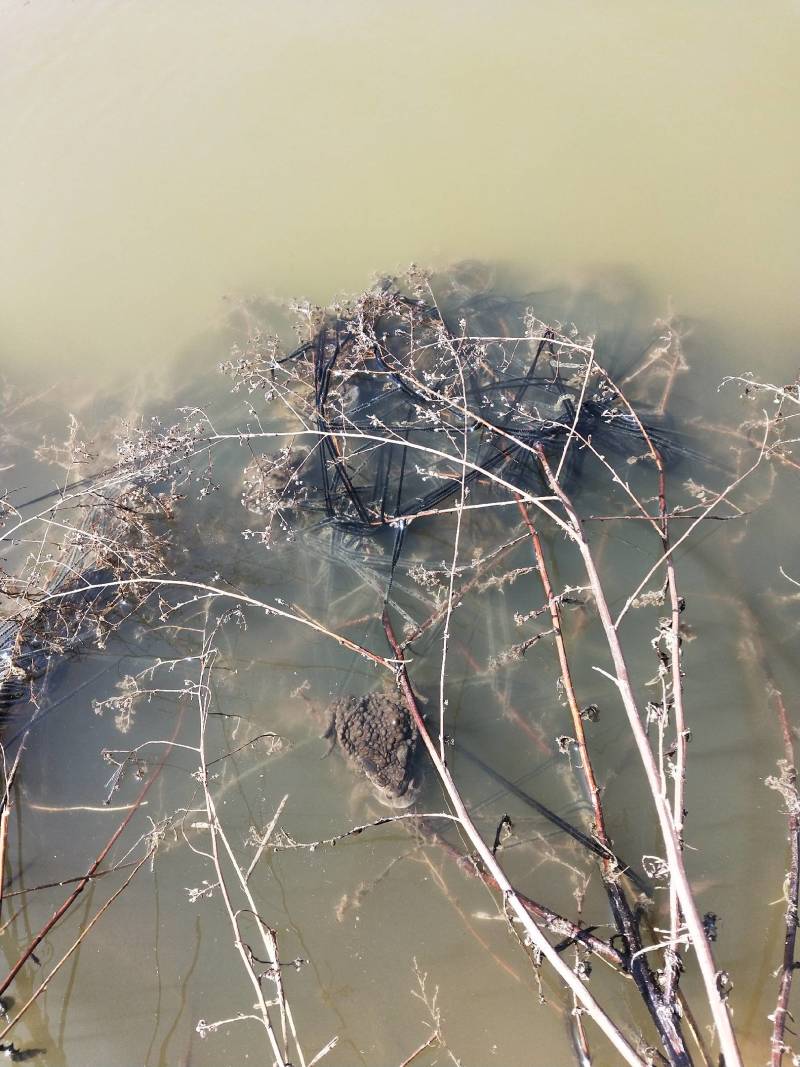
<point x="436" y="470"/>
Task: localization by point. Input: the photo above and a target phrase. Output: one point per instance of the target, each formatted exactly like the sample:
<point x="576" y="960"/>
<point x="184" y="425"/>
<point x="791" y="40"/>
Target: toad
<point x="378" y="737"/>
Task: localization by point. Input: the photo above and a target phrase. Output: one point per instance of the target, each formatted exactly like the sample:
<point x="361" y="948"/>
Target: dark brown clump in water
<point x="379" y="738"/>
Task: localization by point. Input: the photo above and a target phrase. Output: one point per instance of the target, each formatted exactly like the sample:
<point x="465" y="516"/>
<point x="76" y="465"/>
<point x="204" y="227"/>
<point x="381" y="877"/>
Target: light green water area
<point x="164" y="162"/>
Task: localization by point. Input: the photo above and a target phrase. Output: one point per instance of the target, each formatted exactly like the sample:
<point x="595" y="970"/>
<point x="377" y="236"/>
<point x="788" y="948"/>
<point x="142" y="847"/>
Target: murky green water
<point x="162" y="161"/>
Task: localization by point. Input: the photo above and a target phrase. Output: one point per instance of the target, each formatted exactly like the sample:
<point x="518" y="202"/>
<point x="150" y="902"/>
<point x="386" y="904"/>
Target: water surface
<point x="163" y="161"/>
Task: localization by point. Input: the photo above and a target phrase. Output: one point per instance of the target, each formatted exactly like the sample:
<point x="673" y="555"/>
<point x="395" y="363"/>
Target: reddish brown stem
<point x="664" y="1016"/>
<point x="59" y="913"/>
<point x="551" y="920"/>
<point x="778" y="1043"/>
<point x="75" y="944"/>
<point x="715" y="993"/>
<point x="512" y="903"/>
<point x="566" y="677"/>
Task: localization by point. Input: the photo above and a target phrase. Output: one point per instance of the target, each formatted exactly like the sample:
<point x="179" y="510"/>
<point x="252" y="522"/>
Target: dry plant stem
<point x="75" y="944"/>
<point x="432" y="1041"/>
<point x="229" y="594"/>
<point x="66" y="881"/>
<point x="781" y="1015"/>
<point x="675" y="369"/>
<point x="384" y="439"/>
<point x="554" y="922"/>
<point x="551" y="920"/>
<point x="516" y="442"/>
<point x="5" y="805"/>
<point x="453" y="565"/>
<point x="439" y="613"/>
<point x="216" y="835"/>
<point x="70" y="900"/>
<point x="672" y="958"/>
<point x="241" y="948"/>
<point x="430" y="1044"/>
<point x="792" y="887"/>
<point x="663" y="1016"/>
<point x="697" y="1034"/>
<point x="511" y="899"/>
<point x="672" y="845"/>
<point x="601" y="850"/>
<point x="3" y="843"/>
<point x="576" y="415"/>
<point x="670" y="552"/>
<point x="583" y="1054"/>
<point x="673" y="516"/>
<point x="263" y="841"/>
<point x="566" y="677"/>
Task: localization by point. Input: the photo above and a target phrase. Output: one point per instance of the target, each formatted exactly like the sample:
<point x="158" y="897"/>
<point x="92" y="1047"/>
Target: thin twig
<point x="510" y="897"/>
<point x="621" y="678"/>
